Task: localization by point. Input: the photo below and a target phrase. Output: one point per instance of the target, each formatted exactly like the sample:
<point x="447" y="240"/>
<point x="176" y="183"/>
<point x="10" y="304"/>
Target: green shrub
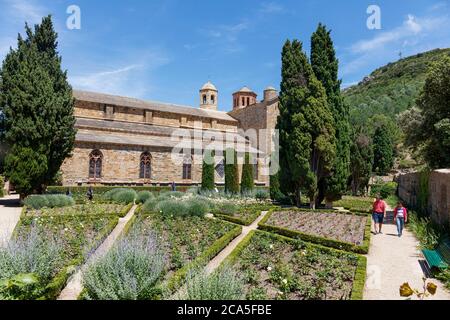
<point x="261" y="195"/>
<point x="423" y="228"/>
<point x="149" y="205"/>
<point x="170" y="194"/>
<point x="172" y="207"/>
<point x="49" y="201"/>
<point x="227" y="208"/>
<point x="36" y="201"/>
<point x="197" y="207"/>
<point x="224" y="284"/>
<point x="143" y="196"/>
<point x="109" y="195"/>
<point x="125" y="196"/>
<point x="384" y="189"/>
<point x="120" y="195"/>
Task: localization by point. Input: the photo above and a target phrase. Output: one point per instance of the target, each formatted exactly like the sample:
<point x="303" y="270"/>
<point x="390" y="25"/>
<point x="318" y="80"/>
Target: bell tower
<point x="208" y="96"/>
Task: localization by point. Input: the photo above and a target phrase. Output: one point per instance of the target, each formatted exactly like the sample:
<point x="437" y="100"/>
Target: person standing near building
<point x="378" y="213"/>
<point x="400" y="217"/>
<point x="90" y="193"/>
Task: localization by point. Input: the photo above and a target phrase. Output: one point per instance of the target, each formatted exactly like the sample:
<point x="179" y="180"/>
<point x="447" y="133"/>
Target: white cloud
<point x="411" y="27"/>
<point x="133" y="79"/>
<point x="25" y="10"/>
<point x="271" y="7"/>
<point x="414" y="34"/>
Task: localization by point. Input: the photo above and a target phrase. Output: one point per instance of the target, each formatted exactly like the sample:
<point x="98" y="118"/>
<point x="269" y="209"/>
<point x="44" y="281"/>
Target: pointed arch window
<point x="95" y="164"/>
<point x="187" y="167"/>
<point x="145" y="171"/>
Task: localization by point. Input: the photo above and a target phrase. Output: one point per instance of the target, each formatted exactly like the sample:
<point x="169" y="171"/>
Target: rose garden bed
<point x="346" y="231"/>
<point x="277" y="267"/>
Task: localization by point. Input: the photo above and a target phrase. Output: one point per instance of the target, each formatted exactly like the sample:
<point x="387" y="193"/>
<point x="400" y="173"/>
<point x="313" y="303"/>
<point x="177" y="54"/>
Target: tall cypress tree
<point x="361" y="161"/>
<point x="208" y="171"/>
<point x="231" y="172"/>
<point x="37" y="107"/>
<point x="305" y="124"/>
<point x="325" y="66"/>
<point x="383" y="148"/>
<point x="247" y="181"/>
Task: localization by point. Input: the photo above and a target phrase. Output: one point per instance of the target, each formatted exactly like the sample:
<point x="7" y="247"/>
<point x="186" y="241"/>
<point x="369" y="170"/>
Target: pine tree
<point x="208" y="171"/>
<point x="383" y="149"/>
<point x="305" y="124"/>
<point x="231" y="172"/>
<point x="247" y="182"/>
<point x="37" y="107"/>
<point x="325" y="66"/>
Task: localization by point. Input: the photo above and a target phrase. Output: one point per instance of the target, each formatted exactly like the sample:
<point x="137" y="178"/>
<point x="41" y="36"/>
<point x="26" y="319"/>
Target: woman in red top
<point x="400" y="217"/>
<point x="378" y="213"/>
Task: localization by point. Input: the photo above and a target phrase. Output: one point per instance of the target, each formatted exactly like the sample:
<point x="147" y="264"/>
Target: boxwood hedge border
<point x="341" y="245"/>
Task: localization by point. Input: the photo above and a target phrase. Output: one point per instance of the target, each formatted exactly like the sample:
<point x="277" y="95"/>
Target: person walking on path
<point x="400" y="217"/>
<point x="378" y="213"/>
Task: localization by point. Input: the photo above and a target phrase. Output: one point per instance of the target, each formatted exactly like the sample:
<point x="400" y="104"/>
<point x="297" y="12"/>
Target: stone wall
<point x="121" y="164"/>
<point x="438" y="204"/>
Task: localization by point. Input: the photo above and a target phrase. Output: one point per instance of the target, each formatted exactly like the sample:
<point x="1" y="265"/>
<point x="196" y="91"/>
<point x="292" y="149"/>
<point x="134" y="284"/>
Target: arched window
<point x="95" y="164"/>
<point x="213" y="99"/>
<point x="187" y="167"/>
<point x="248" y="101"/>
<point x="145" y="171"/>
<point x="204" y="99"/>
<point x="243" y="101"/>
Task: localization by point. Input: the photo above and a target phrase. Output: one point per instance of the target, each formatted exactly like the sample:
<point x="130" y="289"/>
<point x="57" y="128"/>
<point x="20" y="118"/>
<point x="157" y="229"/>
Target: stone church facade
<point x="126" y="141"/>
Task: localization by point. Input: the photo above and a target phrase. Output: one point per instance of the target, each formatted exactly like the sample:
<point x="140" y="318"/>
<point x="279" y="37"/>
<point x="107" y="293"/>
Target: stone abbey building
<point x="128" y="141"/>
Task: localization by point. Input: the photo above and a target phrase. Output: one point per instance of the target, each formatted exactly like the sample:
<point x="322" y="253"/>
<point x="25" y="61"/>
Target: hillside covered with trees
<point x="391" y="89"/>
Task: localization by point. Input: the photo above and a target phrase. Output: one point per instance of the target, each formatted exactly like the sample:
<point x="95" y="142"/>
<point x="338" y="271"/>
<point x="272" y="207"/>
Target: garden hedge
<point x="360" y="273"/>
<point x="341" y="245"/>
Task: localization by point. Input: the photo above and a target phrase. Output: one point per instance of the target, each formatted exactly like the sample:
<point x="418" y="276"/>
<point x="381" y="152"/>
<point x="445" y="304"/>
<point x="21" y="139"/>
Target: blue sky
<point x="165" y="50"/>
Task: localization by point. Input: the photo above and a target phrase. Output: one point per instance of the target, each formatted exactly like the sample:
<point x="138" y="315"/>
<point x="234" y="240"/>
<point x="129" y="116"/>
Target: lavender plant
<point x="223" y="284"/>
<point x="129" y="271"/>
<point x="28" y="263"/>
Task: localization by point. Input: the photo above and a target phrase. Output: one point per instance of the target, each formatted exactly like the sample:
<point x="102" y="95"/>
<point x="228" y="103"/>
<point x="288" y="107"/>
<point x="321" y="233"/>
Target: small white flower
<point x="304" y="253"/>
<point x="280" y="293"/>
<point x="269" y="268"/>
<point x="271" y="246"/>
<point x="66" y="229"/>
<point x="284" y="281"/>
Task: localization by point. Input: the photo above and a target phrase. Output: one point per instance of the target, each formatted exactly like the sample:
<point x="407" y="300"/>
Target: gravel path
<point x="392" y="261"/>
<point x="9" y="216"/>
<point x="74" y="285"/>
